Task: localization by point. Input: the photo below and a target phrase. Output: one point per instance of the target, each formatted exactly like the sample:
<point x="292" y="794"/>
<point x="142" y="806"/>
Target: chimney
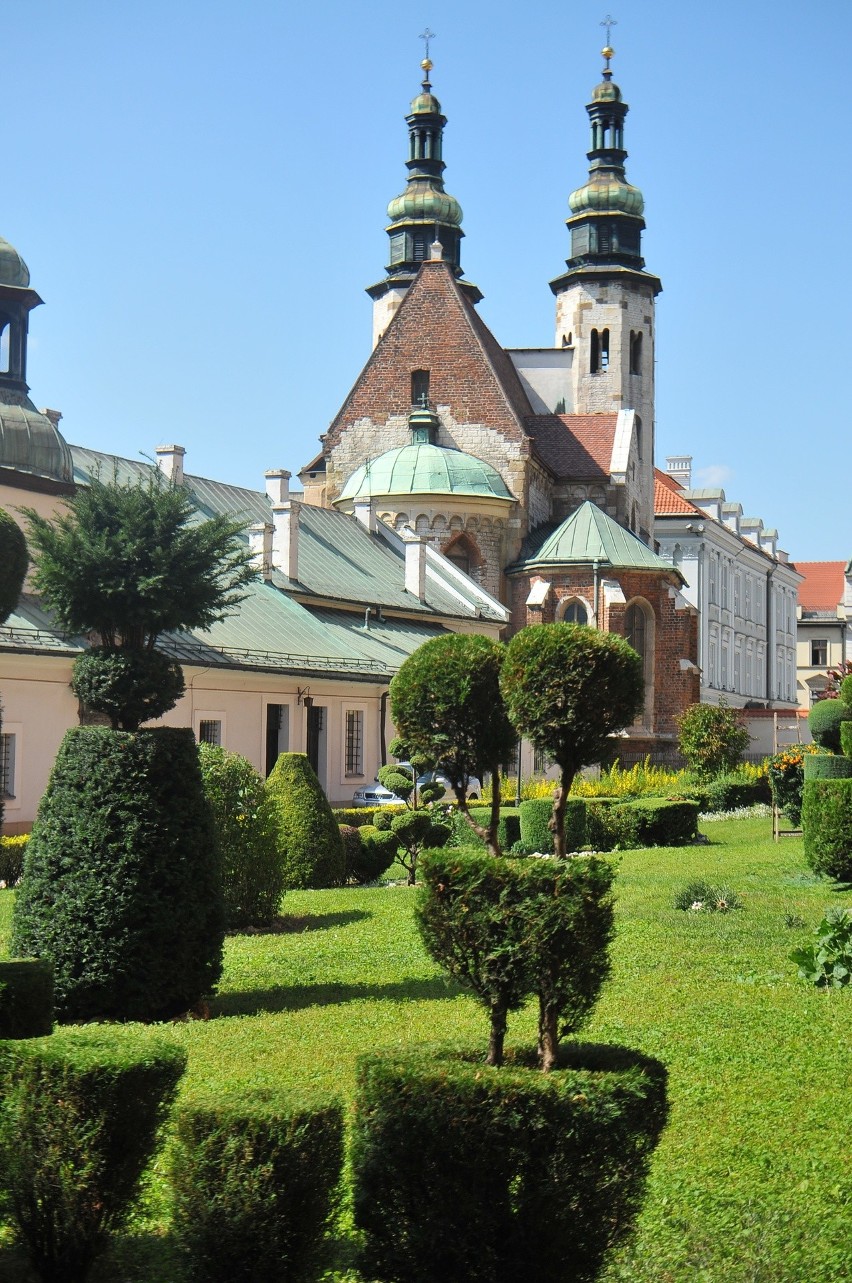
<point x="285" y="535"/>
<point x="415" y="567"/>
<point x="278" y="485"/>
<point x="54" y="416"/>
<point x="365" y="512"/>
<point x="679" y="468"/>
<point x="170" y="462"/>
<point x="260" y="543"/>
<point x="436" y="251"/>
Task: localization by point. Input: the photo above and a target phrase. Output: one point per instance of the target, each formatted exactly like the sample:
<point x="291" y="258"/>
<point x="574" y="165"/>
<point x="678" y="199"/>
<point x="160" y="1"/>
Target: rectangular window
<point x="819" y="652"/>
<point x="210" y="731"/>
<point x="7" y="766"/>
<point x="541" y="762"/>
<point x="354" y="754"/>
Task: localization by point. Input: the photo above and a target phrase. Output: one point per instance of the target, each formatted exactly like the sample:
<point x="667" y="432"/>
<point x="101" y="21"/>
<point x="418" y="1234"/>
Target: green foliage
<point x="26" y="998"/>
<point x="827" y="766"/>
<point x="309" y="843"/>
<point x="414" y="830"/>
<point x="846" y="687"/>
<point x="824" y="722"/>
<point x="466" y="1172"/>
<point x="644" y="822"/>
<point x="508" y="827"/>
<point x="731" y="792"/>
<point x="122" y="887"/>
<point x="699" y="896"/>
<point x="446" y="702"/>
<point x="827" y="827"/>
<point x="827" y="962"/>
<point x="537" y="819"/>
<point x="130" y="562"/>
<point x="13" y="563"/>
<point x="375" y="853"/>
<point x="712" y="738"/>
<point x="356" y="816"/>
<point x="787" y="778"/>
<point x="252" y="873"/>
<point x="129" y="686"/>
<point x="254" y="1180"/>
<point x="79" y="1122"/>
<point x="568" y="687"/>
<point x="846" y="738"/>
<point x="398" y="779"/>
<point x="12" y="851"/>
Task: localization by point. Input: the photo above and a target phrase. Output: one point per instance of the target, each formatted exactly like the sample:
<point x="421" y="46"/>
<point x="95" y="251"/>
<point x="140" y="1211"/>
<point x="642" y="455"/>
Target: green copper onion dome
<point x="606" y="191"/>
<point x="424" y="469"/>
<point x="425" y="203"/>
<point x="30" y="443"/>
<point x="13" y="269"/>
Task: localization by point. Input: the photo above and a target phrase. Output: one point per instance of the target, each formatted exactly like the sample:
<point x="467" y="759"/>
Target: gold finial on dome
<point x="427" y="65"/>
<point x="607" y="52"/>
<point x="426" y="35"/>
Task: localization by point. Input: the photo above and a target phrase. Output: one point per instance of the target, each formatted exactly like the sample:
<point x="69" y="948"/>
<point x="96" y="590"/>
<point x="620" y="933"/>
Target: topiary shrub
<point x="824" y="722"/>
<point x="846" y="690"/>
<point x="375" y="854"/>
<point x="128" y="686"/>
<point x="255" y="1180"/>
<point x="414" y="831"/>
<point x="846" y="738"/>
<point x="827" y="826"/>
<point x="79" y="1123"/>
<point x="536" y="821"/>
<point x="252" y="873"/>
<point x="122" y="886"/>
<point x="309" y="842"/>
<point x="26" y="998"/>
<point x="12" y="851"/>
<point x="827" y="766"/>
<point x="465" y="1172"/>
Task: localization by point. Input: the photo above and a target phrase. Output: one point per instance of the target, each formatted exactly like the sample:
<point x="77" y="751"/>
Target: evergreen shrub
<point x="465" y="1172"/>
<point x="14" y="560"/>
<point x="846" y="736"/>
<point x="508" y="827"/>
<point x="846" y="690"/>
<point x="827" y="827"/>
<point x="79" y="1122"/>
<point x="357" y="816"/>
<point x="824" y="722"/>
<point x="122" y="887"/>
<point x="309" y="842"/>
<point x="128" y="686"/>
<point x="731" y="792"/>
<point x="12" y="851"/>
<point x="827" y="766"/>
<point x="375" y="854"/>
<point x="536" y="816"/>
<point x="255" y="1181"/>
<point x="252" y="873"/>
<point x="712" y="738"/>
<point x="26" y="998"/>
<point x="646" y="821"/>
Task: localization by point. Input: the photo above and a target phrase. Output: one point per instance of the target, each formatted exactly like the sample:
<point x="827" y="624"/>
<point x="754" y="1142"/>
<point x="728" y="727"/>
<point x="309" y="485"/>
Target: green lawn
<point x="752" y="1180"/>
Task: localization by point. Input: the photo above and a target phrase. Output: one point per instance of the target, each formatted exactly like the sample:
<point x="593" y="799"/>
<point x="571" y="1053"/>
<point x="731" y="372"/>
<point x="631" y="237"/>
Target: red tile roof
<point x="823" y="585"/>
<point x="668" y="497"/>
<point x="574" y="445"/>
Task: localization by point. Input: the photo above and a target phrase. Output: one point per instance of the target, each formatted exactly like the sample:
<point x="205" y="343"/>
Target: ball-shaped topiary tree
<point x="567" y="688"/>
<point x="824" y="722"/>
<point x="309" y="842"/>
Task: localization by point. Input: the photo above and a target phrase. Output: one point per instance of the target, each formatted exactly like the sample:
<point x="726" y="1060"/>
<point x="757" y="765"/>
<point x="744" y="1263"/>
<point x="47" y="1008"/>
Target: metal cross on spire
<point x="609" y="23"/>
<point x="426" y="36"/>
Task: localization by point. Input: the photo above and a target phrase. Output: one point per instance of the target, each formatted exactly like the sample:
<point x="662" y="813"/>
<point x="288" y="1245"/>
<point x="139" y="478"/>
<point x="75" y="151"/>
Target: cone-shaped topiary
<point x="309" y="840"/>
<point x="121" y="887"/>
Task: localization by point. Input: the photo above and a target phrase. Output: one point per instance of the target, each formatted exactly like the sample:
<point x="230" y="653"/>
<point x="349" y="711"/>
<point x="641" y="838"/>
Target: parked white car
<point x="374" y="795"/>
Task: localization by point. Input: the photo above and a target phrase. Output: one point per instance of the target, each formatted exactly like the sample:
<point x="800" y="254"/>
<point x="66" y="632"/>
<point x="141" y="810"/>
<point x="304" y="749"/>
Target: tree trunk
<point x="498" y="1034"/>
<point x="489" y="834"/>
<point x="548" y="1035"/>
<point x="557" y="820"/>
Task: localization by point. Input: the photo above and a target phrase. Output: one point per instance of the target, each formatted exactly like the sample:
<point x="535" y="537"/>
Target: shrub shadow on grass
<point x="297" y="997"/>
<point x="295" y="924"/>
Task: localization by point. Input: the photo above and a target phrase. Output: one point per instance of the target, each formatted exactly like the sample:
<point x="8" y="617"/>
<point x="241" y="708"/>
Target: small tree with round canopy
<point x="447" y="706"/>
<point x="567" y="688"/>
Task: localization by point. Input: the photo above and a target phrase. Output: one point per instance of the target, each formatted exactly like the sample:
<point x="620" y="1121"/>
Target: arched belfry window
<point x="635" y="351"/>
<point x="5" y="344"/>
<point x="574" y="611"/>
<point x="599" y="351"/>
<point x="463" y="553"/>
<point x="420" y="388"/>
<point x="639" y="632"/>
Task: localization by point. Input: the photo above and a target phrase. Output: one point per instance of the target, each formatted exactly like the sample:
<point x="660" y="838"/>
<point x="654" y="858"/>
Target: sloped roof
<point x="669" y="497"/>
<point x="574" y="445"/>
<point x="823" y="586"/>
<point x="589" y="535"/>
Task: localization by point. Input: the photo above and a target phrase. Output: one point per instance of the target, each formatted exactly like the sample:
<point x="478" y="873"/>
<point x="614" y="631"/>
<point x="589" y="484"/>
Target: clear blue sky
<point x="199" y="189"/>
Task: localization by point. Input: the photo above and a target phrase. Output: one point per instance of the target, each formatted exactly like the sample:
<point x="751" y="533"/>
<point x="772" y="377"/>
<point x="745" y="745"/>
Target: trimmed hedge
<point x="309" y="842"/>
<point x="122" y="886"/>
<point x="536" y="814"/>
<point x="12" y="852"/>
<point x="357" y="816"/>
<point x="26" y="998"/>
<point x="730" y="792"/>
<point x="827" y="766"/>
<point x="463" y="1172"/>
<point x="846" y="735"/>
<point x="646" y="821"/>
<point x="255" y="1182"/>
<point x="827" y="826"/>
<point x="79" y="1122"/>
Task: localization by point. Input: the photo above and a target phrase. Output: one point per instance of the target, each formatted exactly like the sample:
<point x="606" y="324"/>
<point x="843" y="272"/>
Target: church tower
<point x="423" y="213"/>
<point x="605" y="300"/>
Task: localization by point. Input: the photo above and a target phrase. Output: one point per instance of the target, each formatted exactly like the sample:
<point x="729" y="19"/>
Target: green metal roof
<point x="589" y="535"/>
<point x="420" y="468"/>
<point x="13" y="269"/>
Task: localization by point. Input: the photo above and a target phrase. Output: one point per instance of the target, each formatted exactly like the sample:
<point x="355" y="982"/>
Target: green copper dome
<point x="425" y="104"/>
<point x="605" y="192"/>
<point x="606" y="91"/>
<point x="425" y="469"/>
<point x="13" y="269"/>
<point x="426" y="204"/>
<point x="30" y="443"/>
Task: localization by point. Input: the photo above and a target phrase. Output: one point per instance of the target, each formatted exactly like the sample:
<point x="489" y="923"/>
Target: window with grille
<point x="7" y="766"/>
<point x="819" y="652"/>
<point x="541" y="762"/>
<point x="354" y="755"/>
<point x="210" y="732"/>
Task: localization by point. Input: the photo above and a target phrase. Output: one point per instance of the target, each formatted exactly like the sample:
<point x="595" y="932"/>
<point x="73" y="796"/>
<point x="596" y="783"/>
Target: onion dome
<point x="605" y="191"/>
<point x="13" y="269"/>
<point x="424" y="469"/>
<point x="425" y="204"/>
